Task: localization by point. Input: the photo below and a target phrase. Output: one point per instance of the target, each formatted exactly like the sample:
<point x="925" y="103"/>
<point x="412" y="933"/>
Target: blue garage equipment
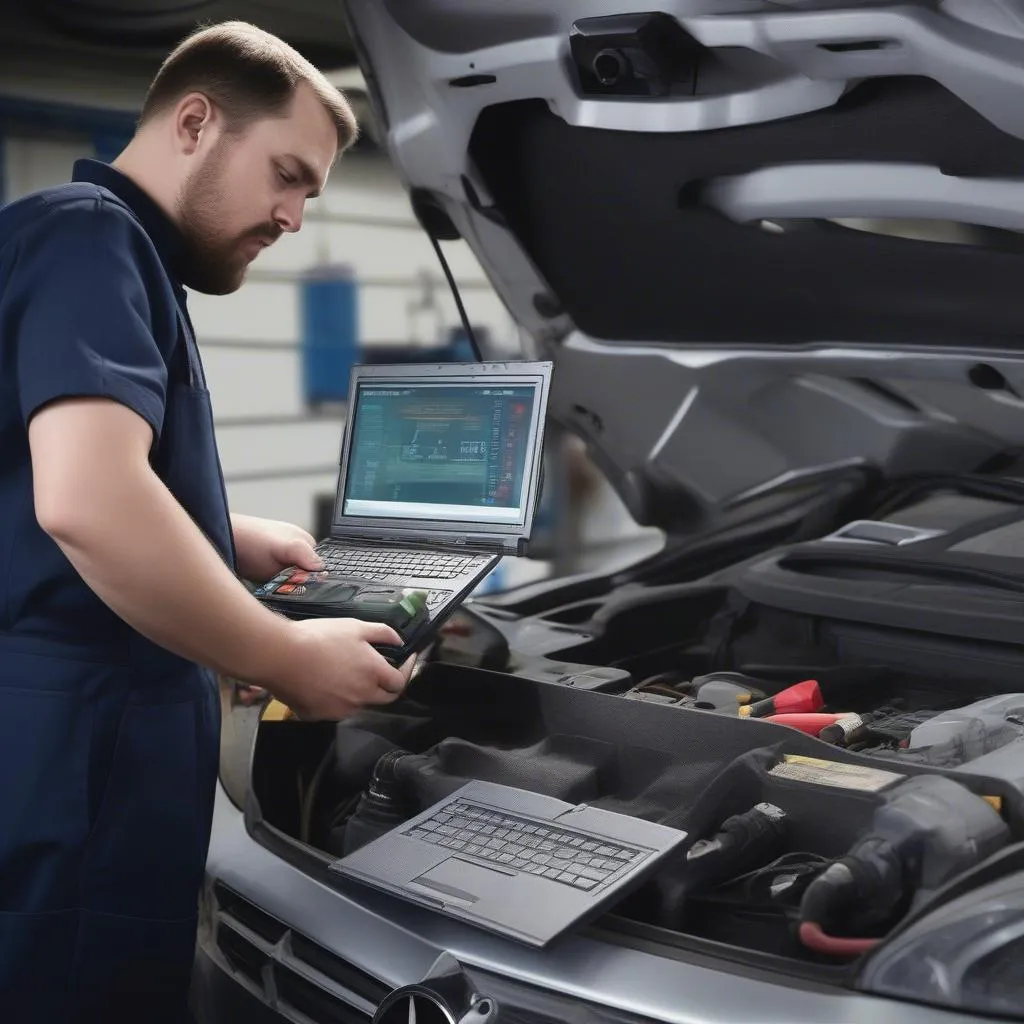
<point x="330" y="331"/>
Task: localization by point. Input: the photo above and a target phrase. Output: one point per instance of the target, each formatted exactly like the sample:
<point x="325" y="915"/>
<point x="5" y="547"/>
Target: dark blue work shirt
<point x="108" y="742"/>
<point x="91" y="304"/>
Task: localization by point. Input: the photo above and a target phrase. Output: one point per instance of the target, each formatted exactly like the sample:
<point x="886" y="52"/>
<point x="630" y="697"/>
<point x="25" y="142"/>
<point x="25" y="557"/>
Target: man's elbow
<point x="65" y="517"/>
<point x="87" y="460"/>
<point x="79" y="505"/>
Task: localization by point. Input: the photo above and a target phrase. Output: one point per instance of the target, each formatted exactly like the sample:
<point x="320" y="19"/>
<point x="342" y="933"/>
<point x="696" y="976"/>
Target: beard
<point x="214" y="263"/>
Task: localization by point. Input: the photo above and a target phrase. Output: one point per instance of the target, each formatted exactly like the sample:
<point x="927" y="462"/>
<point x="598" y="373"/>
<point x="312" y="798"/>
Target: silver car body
<point x="718" y="427"/>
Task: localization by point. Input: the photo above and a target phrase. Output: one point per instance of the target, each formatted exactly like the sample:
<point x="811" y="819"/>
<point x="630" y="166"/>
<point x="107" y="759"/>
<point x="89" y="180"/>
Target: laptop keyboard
<point x="384" y="563"/>
<point x="545" y="850"/>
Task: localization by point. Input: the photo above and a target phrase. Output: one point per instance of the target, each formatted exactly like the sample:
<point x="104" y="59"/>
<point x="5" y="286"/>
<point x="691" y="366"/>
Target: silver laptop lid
<point x="443" y="452"/>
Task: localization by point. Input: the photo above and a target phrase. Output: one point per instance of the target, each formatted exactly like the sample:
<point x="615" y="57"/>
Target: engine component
<point x="851" y="729"/>
<point x="993" y="714"/>
<point x="381" y="807"/>
<point x="717" y="691"/>
<point x="929" y="830"/>
<point x="815" y="723"/>
<point x="743" y="841"/>
<point x="802" y="697"/>
<point x="726" y="691"/>
<point x="891" y="726"/>
<point x="634" y="55"/>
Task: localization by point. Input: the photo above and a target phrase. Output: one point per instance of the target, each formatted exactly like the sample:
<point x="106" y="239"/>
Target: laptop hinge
<point x="477" y="545"/>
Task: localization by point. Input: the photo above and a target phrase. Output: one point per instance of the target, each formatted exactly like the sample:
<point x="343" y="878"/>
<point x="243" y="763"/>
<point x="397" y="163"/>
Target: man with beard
<point x="119" y="560"/>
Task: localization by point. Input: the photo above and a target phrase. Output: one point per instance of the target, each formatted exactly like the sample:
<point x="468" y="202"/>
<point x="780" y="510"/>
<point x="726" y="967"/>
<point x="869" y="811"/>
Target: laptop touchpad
<point x="462" y="880"/>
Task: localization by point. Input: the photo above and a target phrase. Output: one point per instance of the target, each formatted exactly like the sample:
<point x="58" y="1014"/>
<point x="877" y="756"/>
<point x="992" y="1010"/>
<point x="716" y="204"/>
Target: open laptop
<point x="513" y="862"/>
<point x="440" y="477"/>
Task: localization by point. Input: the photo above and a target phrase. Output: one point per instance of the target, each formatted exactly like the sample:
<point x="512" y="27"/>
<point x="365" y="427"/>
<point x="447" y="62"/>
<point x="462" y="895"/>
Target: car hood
<point x="766" y="244"/>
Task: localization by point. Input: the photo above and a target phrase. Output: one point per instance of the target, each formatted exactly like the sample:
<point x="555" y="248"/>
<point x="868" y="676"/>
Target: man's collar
<point x="161" y="229"/>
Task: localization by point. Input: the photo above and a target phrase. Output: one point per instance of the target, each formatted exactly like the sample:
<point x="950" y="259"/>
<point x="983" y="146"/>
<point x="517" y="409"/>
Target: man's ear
<point x="194" y="115"/>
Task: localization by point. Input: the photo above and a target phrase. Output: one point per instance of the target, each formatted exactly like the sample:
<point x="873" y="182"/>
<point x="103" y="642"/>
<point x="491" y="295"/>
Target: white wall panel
<point x="375" y="252"/>
<point x="280" y="447"/>
<point x="259" y="311"/>
<point x="385" y="314"/>
<point x="374" y="182"/>
<point x="254" y="382"/>
<point x="32" y="164"/>
<point x="288" y="500"/>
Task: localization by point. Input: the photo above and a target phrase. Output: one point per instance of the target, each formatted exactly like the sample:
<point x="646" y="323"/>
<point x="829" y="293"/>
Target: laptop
<point x="515" y="863"/>
<point x="440" y="477"/>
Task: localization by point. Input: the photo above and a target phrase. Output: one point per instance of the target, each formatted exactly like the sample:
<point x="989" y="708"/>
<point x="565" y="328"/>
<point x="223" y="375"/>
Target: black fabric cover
<point x="678" y="767"/>
<point x="614" y="222"/>
<point x="965" y="586"/>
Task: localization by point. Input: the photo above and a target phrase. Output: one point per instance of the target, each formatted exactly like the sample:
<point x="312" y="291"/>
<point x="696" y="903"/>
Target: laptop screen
<point x="444" y="451"/>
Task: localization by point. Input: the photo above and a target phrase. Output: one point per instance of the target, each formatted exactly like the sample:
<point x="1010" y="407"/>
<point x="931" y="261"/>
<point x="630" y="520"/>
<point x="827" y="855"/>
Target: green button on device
<point x="402" y="610"/>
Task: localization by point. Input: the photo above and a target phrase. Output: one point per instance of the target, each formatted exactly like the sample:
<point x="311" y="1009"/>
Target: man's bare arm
<point x="141" y="553"/>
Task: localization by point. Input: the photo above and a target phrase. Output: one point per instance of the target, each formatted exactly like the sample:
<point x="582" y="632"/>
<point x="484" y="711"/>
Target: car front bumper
<point x="293" y="944"/>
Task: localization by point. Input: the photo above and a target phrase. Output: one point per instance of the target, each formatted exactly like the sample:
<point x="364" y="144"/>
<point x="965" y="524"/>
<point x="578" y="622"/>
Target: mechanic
<point x="119" y="561"/>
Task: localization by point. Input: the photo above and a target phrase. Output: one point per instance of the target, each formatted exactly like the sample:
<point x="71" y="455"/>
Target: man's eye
<point x="288" y="179"/>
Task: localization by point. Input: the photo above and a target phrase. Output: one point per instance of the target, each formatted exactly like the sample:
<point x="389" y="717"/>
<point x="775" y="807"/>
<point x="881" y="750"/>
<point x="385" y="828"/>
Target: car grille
<point x="292" y="973"/>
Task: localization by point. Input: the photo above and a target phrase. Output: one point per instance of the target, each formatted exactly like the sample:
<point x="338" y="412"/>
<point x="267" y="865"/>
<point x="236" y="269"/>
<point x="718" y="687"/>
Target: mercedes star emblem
<point x="413" y="1006"/>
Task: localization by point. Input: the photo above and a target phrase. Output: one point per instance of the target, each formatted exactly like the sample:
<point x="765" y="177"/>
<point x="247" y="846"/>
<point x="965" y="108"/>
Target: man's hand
<point x="266" y="546"/>
<point x="337" y="671"/>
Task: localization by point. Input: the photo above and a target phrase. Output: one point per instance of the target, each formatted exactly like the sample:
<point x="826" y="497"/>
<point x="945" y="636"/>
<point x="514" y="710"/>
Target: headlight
<point x="965" y="956"/>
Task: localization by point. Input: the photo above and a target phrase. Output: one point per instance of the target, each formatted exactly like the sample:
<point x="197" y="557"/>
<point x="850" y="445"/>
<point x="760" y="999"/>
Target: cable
<point x="814" y="938"/>
<point x="471" y="337"/>
<point x="783" y="876"/>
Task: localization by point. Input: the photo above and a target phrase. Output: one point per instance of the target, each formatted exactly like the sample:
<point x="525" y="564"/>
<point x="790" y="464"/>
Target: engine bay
<point x="837" y="777"/>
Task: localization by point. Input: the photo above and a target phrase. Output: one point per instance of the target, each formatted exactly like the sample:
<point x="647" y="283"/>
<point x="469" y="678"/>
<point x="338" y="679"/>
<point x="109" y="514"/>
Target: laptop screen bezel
<point x="505" y="374"/>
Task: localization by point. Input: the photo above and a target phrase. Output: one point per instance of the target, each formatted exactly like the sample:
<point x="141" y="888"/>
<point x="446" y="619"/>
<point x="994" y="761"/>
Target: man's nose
<point x="288" y="214"/>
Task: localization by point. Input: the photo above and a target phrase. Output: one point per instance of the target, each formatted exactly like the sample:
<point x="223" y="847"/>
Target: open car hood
<point x="765" y="243"/>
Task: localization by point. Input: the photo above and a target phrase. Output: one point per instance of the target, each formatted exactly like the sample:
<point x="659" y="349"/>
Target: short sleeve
<point x="83" y="322"/>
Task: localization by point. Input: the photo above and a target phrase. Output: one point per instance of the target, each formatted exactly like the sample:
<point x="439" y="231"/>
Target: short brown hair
<point x="248" y="73"/>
